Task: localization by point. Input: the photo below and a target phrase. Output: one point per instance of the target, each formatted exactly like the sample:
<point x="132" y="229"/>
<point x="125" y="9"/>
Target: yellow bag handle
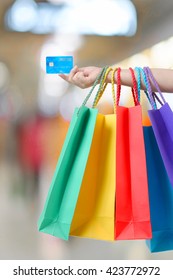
<point x="113" y="88"/>
<point x="103" y="86"/>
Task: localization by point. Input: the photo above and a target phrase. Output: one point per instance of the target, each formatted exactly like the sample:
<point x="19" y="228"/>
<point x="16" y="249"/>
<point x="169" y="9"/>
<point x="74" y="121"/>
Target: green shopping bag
<point x="63" y="193"/>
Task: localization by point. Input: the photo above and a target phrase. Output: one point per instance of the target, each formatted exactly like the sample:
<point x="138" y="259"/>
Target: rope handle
<point x="155" y="84"/>
<point x="118" y="86"/>
<point x="134" y="88"/>
<point x="149" y="89"/>
<point x="140" y="73"/>
<point x="93" y="87"/>
<point x="113" y="88"/>
<point x="102" y="86"/>
<point x="156" y="97"/>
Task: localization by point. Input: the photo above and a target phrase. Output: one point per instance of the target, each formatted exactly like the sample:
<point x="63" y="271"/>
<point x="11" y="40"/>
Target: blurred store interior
<point x="36" y="108"/>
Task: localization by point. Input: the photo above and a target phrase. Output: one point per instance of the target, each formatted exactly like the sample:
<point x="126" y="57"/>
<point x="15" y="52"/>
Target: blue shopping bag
<point x="160" y="196"/>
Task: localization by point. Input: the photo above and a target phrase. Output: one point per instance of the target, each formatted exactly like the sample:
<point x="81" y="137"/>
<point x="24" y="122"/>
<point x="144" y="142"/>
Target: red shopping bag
<point x="132" y="202"/>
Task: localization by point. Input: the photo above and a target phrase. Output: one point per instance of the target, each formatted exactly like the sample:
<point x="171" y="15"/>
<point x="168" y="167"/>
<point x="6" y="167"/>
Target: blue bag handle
<point x="140" y="72"/>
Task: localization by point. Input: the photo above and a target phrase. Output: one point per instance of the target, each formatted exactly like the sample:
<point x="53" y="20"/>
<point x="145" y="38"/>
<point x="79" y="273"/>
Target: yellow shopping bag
<point x="95" y="209"/>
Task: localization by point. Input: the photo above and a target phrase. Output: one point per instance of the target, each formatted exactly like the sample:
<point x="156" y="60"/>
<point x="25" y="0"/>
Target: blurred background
<point x="36" y="108"/>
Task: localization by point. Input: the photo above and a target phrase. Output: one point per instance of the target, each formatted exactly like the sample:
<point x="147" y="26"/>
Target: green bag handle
<point x="98" y="79"/>
<point x="101" y="78"/>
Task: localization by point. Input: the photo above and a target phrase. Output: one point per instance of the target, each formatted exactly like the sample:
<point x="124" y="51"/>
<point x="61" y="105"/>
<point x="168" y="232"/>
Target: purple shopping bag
<point x="162" y="123"/>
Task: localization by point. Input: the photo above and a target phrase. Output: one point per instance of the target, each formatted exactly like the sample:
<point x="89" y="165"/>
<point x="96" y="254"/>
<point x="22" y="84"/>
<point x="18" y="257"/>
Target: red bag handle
<point x="134" y="88"/>
<point x="118" y="86"/>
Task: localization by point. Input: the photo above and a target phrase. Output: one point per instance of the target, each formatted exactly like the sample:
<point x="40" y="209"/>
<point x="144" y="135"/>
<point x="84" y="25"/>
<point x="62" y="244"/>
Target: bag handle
<point x="152" y="95"/>
<point x="149" y="90"/>
<point x="118" y="86"/>
<point x="134" y="88"/>
<point x="101" y="78"/>
<point x="102" y="87"/>
<point x="94" y="85"/>
<point x="156" y="84"/>
<point x="113" y="89"/>
<point x="156" y="97"/>
<point x="140" y="72"/>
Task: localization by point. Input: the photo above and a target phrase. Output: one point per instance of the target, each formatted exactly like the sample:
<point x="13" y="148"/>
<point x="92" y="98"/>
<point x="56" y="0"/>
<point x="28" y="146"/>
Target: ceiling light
<point x="98" y="17"/>
<point x="22" y="16"/>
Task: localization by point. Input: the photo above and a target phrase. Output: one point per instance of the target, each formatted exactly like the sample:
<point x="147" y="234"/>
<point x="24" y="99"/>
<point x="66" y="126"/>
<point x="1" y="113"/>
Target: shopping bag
<point x="160" y="189"/>
<point x="132" y="200"/>
<point x="63" y="193"/>
<point x="160" y="195"/>
<point x="162" y="123"/>
<point x="95" y="209"/>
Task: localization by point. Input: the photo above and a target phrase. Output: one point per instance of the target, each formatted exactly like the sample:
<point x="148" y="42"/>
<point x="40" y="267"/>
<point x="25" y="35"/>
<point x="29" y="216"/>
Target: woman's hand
<point x="82" y="77"/>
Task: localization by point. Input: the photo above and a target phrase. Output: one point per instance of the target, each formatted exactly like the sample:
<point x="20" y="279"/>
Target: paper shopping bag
<point x="62" y="197"/>
<point x="160" y="196"/>
<point x="162" y="123"/>
<point x="95" y="209"/>
<point x="160" y="189"/>
<point x="94" y="214"/>
<point x="132" y="200"/>
<point x="61" y="200"/>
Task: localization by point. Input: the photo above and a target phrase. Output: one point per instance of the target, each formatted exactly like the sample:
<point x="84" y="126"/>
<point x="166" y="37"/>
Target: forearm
<point x="85" y="77"/>
<point x="164" y="78"/>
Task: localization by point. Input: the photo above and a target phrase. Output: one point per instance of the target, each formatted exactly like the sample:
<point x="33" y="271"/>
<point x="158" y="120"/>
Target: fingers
<point x="75" y="77"/>
<point x="64" y="77"/>
<point x="82" y="77"/>
<point x="69" y="78"/>
<point x="72" y="74"/>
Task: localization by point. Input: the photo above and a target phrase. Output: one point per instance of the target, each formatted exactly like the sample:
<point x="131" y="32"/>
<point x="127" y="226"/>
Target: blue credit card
<point x="59" y="64"/>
